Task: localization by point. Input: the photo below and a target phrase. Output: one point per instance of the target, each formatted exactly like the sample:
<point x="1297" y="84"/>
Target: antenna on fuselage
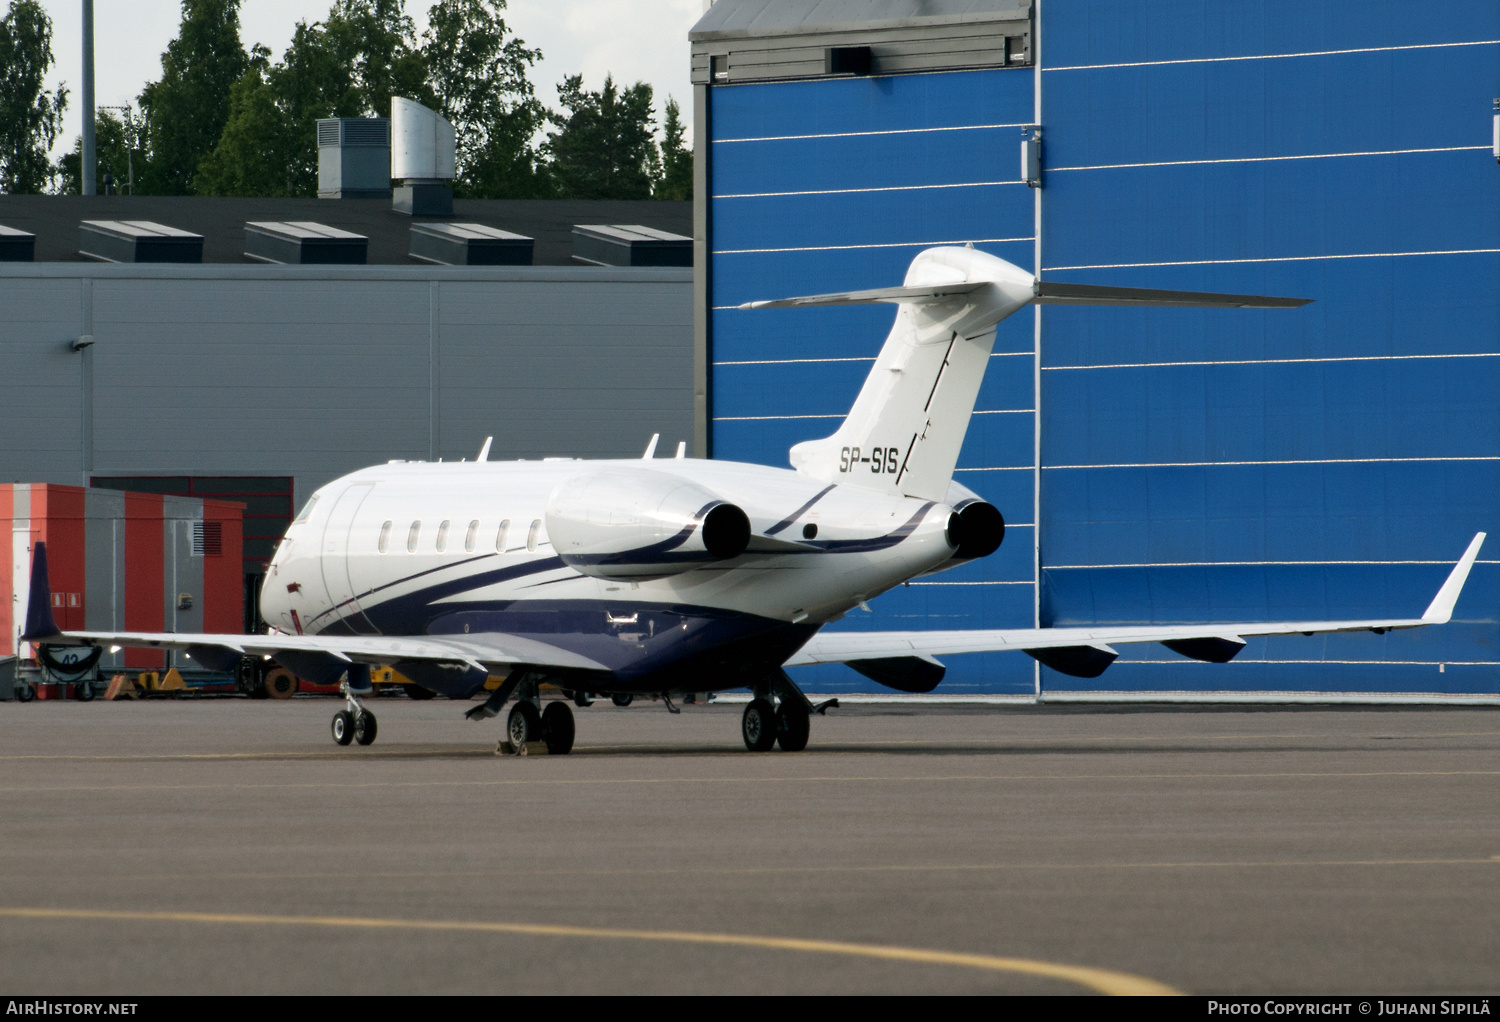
<point x="681" y="449"/>
<point x="651" y="447"/>
<point x="484" y="452"/>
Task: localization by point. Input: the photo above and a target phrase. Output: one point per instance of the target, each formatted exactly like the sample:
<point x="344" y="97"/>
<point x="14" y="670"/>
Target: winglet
<point x="39" y="622"/>
<point x="1441" y="608"/>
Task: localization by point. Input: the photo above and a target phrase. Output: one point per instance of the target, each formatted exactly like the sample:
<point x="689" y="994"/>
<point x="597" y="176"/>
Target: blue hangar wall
<point x="1170" y="465"/>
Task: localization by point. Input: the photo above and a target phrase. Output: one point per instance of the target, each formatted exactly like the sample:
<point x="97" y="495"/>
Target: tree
<point x="478" y="70"/>
<point x="117" y="146"/>
<point x="30" y="117"/>
<point x="676" y="160"/>
<point x="257" y="153"/>
<point x="186" y="110"/>
<point x="605" y="147"/>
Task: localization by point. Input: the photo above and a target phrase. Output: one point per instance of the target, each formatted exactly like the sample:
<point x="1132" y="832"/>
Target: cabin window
<point x="442" y="537"/>
<point x="306" y="511"/>
<point x="411" y="537"/>
<point x="500" y="536"/>
<point x="385" y="537"/>
<point x="469" y="536"/>
<point x="533" y="533"/>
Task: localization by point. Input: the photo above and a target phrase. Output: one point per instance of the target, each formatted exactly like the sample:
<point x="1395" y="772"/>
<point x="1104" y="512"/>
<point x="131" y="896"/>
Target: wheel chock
<point x="121" y="687"/>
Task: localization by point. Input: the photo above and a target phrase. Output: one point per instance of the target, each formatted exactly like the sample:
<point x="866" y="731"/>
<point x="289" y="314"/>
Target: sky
<point x="636" y="40"/>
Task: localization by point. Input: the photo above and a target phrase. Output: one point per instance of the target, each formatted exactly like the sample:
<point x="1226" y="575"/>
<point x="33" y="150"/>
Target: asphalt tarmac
<point x="228" y="846"/>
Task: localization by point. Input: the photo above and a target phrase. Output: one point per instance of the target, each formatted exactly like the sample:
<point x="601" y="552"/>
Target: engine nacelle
<point x="629" y="523"/>
<point x="978" y="531"/>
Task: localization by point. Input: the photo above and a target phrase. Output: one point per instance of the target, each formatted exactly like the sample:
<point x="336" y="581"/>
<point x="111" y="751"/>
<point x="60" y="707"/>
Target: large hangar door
<point x="834" y="184"/>
<point x="338" y="535"/>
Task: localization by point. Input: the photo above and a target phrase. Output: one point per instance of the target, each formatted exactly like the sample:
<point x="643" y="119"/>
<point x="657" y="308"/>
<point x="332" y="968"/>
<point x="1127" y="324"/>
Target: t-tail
<point x="908" y="423"/>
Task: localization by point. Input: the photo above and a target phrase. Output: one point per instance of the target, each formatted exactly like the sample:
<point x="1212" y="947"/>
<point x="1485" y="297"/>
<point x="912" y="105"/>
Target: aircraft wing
<point x="483" y="651"/>
<point x="307" y="655"/>
<point x="1086" y="652"/>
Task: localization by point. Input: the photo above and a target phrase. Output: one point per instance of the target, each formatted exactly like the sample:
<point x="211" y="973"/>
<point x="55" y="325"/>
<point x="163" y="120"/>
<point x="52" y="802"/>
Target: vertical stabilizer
<point x="908" y="423"/>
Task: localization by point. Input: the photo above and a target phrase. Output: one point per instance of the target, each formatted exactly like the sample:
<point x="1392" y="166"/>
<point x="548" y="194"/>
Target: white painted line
<point x="851" y="248"/>
<point x="1019" y="582"/>
<point x="792" y="361"/>
<point x="1234" y="564"/>
<point x="1008" y="411"/>
<point x="862" y="134"/>
<point x="1276" y="259"/>
<point x="1309" y="461"/>
<point x="1271" y="159"/>
<point x="1261" y="698"/>
<point x="1277" y="361"/>
<point x="767" y="418"/>
<point x="999" y="468"/>
<point x="858" y="191"/>
<point x="1276" y="56"/>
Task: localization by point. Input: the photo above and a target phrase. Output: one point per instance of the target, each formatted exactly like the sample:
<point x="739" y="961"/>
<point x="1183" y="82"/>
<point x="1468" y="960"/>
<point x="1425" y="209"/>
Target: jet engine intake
<point x="627" y="523"/>
<point x="978" y="531"/>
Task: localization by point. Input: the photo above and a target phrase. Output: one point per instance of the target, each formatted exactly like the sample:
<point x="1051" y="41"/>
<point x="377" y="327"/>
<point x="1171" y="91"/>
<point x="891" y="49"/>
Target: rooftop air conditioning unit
<point x="354" y="158"/>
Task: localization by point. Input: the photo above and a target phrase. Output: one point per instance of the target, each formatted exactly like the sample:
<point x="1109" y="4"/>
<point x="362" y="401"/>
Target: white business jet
<point x="677" y="575"/>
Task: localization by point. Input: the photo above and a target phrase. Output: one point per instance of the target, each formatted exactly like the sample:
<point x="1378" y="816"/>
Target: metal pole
<point x="88" y="162"/>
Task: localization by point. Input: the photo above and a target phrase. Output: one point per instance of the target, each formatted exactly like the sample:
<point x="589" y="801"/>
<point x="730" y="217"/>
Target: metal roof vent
<point x="630" y="245"/>
<point x="16" y="246"/>
<point x="138" y="241"/>
<point x="354" y="158"/>
<point x="422" y="159"/>
<point x="469" y="245"/>
<point x="303" y="242"/>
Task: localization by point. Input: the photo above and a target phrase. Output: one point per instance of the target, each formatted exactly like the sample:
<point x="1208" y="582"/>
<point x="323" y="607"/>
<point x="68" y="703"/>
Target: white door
<point x="335" y="557"/>
<point x="20" y="584"/>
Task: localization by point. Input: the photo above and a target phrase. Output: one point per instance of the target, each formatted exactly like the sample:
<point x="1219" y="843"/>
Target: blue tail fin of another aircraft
<point x="39" y="621"/>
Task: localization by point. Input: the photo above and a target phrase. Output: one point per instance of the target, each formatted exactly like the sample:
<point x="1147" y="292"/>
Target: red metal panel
<point x="59" y="509"/>
<point x="7" y="593"/>
<point x="145" y="586"/>
<point x="223" y="582"/>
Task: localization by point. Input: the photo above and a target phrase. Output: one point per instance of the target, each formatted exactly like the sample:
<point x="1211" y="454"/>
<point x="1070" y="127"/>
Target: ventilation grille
<point x="354" y="132"/>
<point x="208" y="539"/>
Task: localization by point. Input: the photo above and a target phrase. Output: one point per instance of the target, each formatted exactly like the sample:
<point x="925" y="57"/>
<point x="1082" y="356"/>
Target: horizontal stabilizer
<point x="1050" y="292"/>
<point x="920" y="294"/>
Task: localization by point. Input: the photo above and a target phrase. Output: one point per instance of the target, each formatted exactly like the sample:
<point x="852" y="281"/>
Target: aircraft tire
<point x="523" y="725"/>
<point x="365" y="728"/>
<point x="581" y="698"/>
<point x="343" y="727"/>
<point x="792" y="726"/>
<point x="758" y="726"/>
<point x="622" y="699"/>
<point x="557" y="729"/>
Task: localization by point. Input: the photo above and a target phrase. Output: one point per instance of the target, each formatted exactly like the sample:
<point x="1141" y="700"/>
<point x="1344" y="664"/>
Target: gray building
<point x="260" y="382"/>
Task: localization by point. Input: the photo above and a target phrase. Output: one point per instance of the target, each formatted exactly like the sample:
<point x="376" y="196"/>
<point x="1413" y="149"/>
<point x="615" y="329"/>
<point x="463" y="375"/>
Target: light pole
<point x="86" y="159"/>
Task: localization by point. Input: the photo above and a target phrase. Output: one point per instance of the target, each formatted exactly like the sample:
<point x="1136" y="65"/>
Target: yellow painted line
<point x="984" y="867"/>
<point x="824" y="779"/>
<point x="1103" y="981"/>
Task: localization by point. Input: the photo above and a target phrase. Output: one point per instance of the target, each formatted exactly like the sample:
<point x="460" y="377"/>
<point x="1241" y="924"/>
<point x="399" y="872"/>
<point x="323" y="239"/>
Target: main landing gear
<point x="779" y="715"/>
<point x="553" y="727"/>
<point x="355" y="724"/>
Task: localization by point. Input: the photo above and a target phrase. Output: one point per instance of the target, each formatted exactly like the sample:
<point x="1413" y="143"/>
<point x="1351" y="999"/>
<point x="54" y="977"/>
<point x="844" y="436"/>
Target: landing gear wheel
<point x="364" y="728"/>
<point x="523" y="725"/>
<point x="415" y="691"/>
<point x="343" y="727"/>
<point x="582" y="699"/>
<point x="557" y="728"/>
<point x="622" y="699"/>
<point x="83" y="691"/>
<point x="758" y="726"/>
<point x="792" y="726"/>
